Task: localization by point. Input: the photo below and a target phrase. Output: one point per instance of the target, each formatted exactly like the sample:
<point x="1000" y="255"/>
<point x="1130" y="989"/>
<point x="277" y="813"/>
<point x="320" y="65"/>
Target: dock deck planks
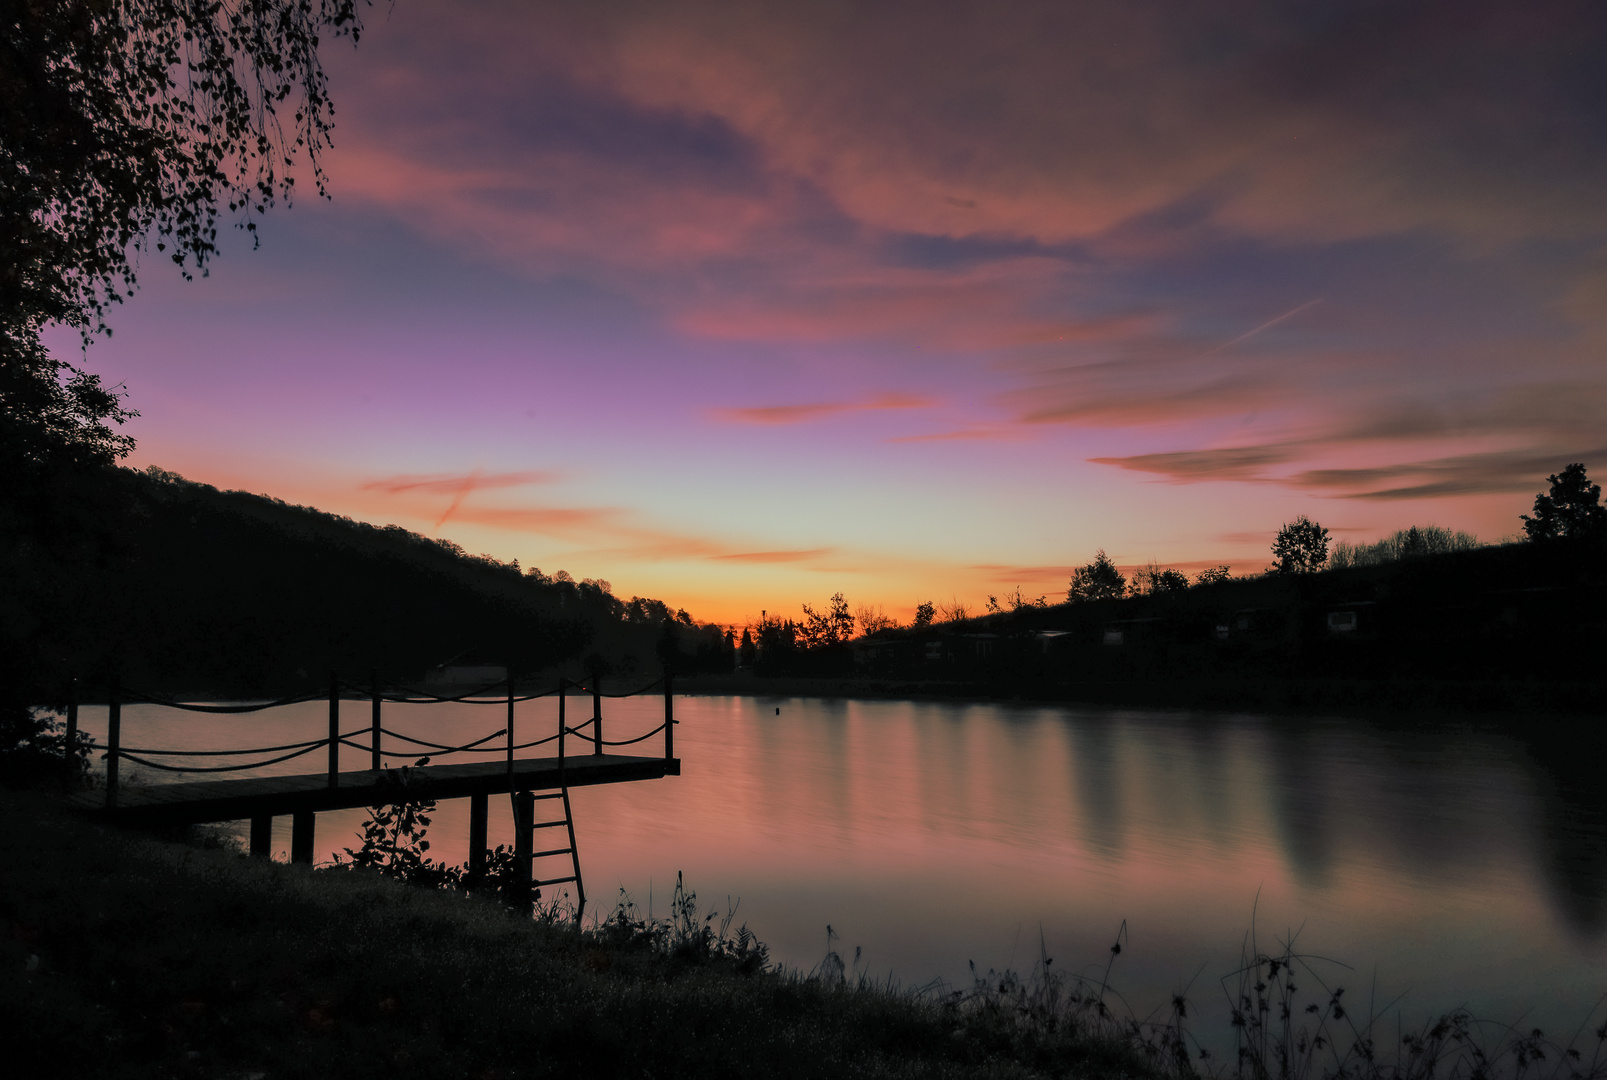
<point x="198" y="801"/>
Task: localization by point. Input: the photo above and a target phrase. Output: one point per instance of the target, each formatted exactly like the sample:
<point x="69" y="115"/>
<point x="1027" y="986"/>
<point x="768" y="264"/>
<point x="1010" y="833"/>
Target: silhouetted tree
<point x="925" y="612"/>
<point x="823" y="630"/>
<point x="1099" y="580"/>
<point x="747" y="652"/>
<point x="1572" y="509"/>
<point x="122" y="126"/>
<point x="1212" y="575"/>
<point x="872" y="619"/>
<point x="1171" y="581"/>
<point x="1300" y="548"/>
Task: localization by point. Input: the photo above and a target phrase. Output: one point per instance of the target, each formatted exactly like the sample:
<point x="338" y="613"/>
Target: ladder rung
<point x="553" y="881"/>
<point x="549" y="824"/>
<point x="549" y="795"/>
<point x="554" y="851"/>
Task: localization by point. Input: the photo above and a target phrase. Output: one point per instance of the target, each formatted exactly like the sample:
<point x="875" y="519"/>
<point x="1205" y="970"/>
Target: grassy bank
<point x="131" y="955"/>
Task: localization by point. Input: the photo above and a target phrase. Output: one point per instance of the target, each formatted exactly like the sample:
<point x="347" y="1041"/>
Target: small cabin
<point x="1050" y="640"/>
<point x="1350" y="619"/>
<point x="1131" y="631"/>
<point x="979" y="646"/>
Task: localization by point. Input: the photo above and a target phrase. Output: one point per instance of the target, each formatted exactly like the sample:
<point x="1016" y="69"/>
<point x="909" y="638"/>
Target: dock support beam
<point x="669" y="715"/>
<point x="597" y="713"/>
<point x="477" y="819"/>
<point x="301" y="837"/>
<point x="262" y="837"/>
<point x="114" y="736"/>
<point x="373" y="731"/>
<point x="334" y="730"/>
<point x="524" y="820"/>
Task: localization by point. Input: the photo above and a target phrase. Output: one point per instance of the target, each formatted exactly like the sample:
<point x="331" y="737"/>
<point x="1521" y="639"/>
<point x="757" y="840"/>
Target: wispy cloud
<point x="1242" y="463"/>
<point x="773" y="556"/>
<point x="820" y="410"/>
<point x="452" y="483"/>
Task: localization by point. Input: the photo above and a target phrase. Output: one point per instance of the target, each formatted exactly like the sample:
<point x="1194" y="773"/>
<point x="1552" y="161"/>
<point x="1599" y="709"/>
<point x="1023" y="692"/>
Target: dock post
<point x="334" y="730"/>
<point x="597" y="713"/>
<point x="301" y="823"/>
<point x="510" y="729"/>
<point x="72" y="723"/>
<point x="562" y="683"/>
<point x="524" y="820"/>
<point x="114" y="736"/>
<point x="669" y="715"/>
<point x="374" y="729"/>
<point x="262" y="836"/>
<point x="478" y="806"/>
<point x="510" y="723"/>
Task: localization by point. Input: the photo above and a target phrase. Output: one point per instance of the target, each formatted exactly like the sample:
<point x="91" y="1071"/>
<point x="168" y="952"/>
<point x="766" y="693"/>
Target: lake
<point x="1455" y="865"/>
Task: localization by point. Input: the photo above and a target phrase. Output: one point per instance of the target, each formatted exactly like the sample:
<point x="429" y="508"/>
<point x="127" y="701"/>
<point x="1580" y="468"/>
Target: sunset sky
<point x="740" y="305"/>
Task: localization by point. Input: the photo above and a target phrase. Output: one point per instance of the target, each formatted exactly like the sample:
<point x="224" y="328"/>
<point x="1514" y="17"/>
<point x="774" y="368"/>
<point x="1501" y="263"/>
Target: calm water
<point x="1449" y="866"/>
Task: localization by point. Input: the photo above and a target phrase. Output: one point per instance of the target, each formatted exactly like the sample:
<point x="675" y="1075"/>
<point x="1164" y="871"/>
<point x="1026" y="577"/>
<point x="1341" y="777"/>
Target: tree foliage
<point x="1571" y="510"/>
<point x="1300" y="548"/>
<point x="128" y="125"/>
<point x="1099" y="580"/>
<point x="133" y="123"/>
<point x="823" y="630"/>
<point x="1412" y="543"/>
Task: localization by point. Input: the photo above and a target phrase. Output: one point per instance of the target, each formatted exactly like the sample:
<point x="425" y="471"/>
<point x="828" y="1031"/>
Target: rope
<point x="216" y="753"/>
<point x="406" y="695"/>
<point x="639" y="738"/>
<point x="150" y="699"/>
<point x="447" y="749"/>
<point x="219" y="768"/>
<point x="628" y="693"/>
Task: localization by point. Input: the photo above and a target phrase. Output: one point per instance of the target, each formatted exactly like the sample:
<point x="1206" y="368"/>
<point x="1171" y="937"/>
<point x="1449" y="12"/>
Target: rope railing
<point x="167" y="703"/>
<point x="218" y="768"/>
<point x="374" y="693"/>
<point x="639" y="738"/>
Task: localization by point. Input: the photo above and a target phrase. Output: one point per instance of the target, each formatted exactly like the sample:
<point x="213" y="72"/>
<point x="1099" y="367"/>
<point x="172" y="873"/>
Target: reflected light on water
<point x="1448" y="865"/>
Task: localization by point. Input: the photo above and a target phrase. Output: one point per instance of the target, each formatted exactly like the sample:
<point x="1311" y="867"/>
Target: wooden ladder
<point x="568" y="822"/>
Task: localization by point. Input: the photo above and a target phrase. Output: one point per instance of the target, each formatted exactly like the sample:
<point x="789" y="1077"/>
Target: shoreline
<point x="1421" y="699"/>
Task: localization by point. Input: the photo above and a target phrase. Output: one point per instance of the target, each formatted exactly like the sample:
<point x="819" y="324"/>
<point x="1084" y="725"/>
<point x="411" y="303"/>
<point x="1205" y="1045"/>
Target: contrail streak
<point x="463" y="493"/>
<point x="1266" y="325"/>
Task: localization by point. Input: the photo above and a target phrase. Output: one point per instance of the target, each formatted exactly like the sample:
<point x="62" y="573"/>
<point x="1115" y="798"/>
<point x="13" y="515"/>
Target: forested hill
<point x="196" y="589"/>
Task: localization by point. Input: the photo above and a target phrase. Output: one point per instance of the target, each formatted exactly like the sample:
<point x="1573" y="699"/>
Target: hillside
<point x="194" y="589"/>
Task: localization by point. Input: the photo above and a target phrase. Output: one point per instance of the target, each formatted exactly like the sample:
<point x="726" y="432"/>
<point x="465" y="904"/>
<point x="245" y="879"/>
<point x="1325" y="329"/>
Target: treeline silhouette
<point x="187" y="588"/>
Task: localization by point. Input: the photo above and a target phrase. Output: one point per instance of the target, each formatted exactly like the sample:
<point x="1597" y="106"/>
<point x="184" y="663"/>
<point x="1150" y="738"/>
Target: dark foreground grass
<point x="130" y="955"/>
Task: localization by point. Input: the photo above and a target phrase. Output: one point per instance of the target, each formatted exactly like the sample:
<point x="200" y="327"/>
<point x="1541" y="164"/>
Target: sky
<point x="740" y="305"/>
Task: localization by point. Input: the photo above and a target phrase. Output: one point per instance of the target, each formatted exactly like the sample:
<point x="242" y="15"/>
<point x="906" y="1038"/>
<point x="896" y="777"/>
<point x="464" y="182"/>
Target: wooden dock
<point x="303" y="796"/>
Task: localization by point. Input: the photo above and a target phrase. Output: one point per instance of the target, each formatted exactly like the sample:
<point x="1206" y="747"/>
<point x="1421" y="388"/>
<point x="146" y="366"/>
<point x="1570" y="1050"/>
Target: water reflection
<point x="1464" y="863"/>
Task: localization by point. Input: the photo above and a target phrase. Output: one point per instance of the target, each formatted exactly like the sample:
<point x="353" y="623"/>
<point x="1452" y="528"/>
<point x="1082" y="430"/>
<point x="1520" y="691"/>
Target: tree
<point x="1099" y="580"/>
<point x="1300" y="548"/>
<point x="127" y="125"/>
<point x="1213" y="575"/>
<point x="1171" y="581"/>
<point x="835" y="626"/>
<point x="1572" y="510"/>
<point x="925" y="613"/>
<point x="872" y="619"/>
